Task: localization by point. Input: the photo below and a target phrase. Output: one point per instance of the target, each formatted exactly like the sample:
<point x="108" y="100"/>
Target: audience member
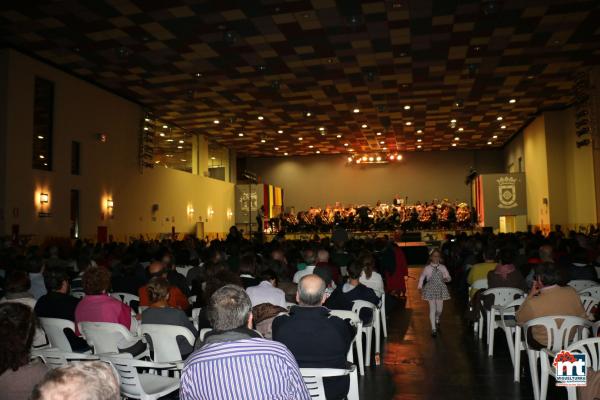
<point x="505" y="274"/>
<point x="57" y="303"/>
<point x="548" y="298"/>
<point x="315" y="338"/>
<point x="230" y="358"/>
<point x="98" y="306"/>
<point x="369" y="277"/>
<point x="325" y="268"/>
<point x="35" y="267"/>
<point x="18" y="375"/>
<point x="177" y="298"/>
<point x="248" y="270"/>
<point x="580" y="268"/>
<point x="159" y="312"/>
<point x="266" y="291"/>
<point x="480" y="271"/>
<point x="309" y="261"/>
<point x="83" y="262"/>
<point x="91" y="380"/>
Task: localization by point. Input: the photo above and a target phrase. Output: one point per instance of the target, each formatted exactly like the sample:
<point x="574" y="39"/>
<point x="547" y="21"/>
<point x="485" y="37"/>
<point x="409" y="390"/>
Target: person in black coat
<point x="58" y="304"/>
<point x="316" y="339"/>
<point x="343" y="296"/>
<point x="580" y="269"/>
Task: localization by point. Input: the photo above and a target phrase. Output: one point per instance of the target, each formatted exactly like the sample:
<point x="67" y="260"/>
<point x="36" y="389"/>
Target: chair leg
<point x="572" y="392"/>
<point x="517" y="369"/>
<point x="359" y="354"/>
<point x="492" y="330"/>
<point x="480" y="327"/>
<point x="545" y="373"/>
<point x="383" y="321"/>
<point x="377" y="333"/>
<point x="353" y="392"/>
<point x="368" y="347"/>
<point x="532" y="356"/>
<point x="511" y="344"/>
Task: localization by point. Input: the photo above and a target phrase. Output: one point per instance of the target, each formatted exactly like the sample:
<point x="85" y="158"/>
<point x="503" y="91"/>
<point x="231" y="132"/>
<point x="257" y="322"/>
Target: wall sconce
<point x="109" y="204"/>
<point x="44" y="198"/>
<point x="229" y="214"/>
<point x="210" y="212"/>
<point x="190" y="211"/>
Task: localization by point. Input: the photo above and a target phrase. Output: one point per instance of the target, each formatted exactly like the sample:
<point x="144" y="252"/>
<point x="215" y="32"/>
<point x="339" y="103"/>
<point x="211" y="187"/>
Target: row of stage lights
<point x="374" y="158"/>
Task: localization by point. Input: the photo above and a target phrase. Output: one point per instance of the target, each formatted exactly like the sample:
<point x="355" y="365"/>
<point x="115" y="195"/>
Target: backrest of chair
<point x="192" y="299"/>
<point x="196" y="313"/>
<point x="358" y="305"/>
<point x="589" y="303"/>
<point x="77" y="294"/>
<point x="511" y="307"/>
<point x="125" y="298"/>
<point x="129" y="380"/>
<point x="104" y="337"/>
<point x="55" y="358"/>
<point x="313" y="378"/>
<point x="480" y="284"/>
<point x="591" y="349"/>
<point x="596" y="328"/>
<point x="503" y="295"/>
<point x="561" y="330"/>
<point x="581" y="284"/>
<point x="593" y="291"/>
<point x="164" y="340"/>
<point x="54" y="328"/>
<point x="203" y="333"/>
<point x="183" y="269"/>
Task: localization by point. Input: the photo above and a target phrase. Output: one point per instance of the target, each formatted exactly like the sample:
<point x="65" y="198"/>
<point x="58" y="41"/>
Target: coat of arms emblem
<point x="507" y="192"/>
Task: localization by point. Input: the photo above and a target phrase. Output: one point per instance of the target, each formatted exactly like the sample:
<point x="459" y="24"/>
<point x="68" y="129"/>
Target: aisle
<point x="452" y="366"/>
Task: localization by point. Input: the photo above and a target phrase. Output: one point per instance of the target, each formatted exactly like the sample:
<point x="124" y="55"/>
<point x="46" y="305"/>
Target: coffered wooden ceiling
<point x="408" y="67"/>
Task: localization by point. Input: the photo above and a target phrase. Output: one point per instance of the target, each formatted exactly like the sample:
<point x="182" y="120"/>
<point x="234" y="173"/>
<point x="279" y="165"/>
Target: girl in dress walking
<point x="433" y="285"/>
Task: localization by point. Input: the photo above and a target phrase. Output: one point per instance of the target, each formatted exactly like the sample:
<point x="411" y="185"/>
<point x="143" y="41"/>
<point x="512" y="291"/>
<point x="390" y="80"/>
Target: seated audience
<point x="35" y="266"/>
<point x="177" y="299"/>
<point x="309" y="265"/>
<point x="128" y="275"/>
<point x="18" y="375"/>
<point x="315" y="338"/>
<point x="58" y="304"/>
<point x="505" y="274"/>
<point x="480" y="271"/>
<point x="580" y="269"/>
<point x="343" y="296"/>
<point x="83" y="262"/>
<point x="91" y="380"/>
<point x="548" y="298"/>
<point x="266" y="291"/>
<point x="160" y="312"/>
<point x="98" y="306"/>
<point x="175" y="278"/>
<point x="248" y="270"/>
<point x="263" y="315"/>
<point x="369" y="277"/>
<point x="325" y="266"/>
<point x="228" y="360"/>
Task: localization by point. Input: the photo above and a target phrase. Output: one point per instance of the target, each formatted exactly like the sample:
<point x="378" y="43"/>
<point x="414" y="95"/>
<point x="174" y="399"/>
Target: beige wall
<point x="555" y="170"/>
<point x="422" y="176"/>
<point x="108" y="170"/>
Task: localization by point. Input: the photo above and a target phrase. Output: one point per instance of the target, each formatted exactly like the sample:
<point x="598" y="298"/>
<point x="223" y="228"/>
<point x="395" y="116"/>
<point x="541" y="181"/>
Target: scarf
<point x="504" y="269"/>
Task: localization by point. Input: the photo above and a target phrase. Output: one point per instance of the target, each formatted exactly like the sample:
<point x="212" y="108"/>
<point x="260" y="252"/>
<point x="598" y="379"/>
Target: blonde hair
<point x="158" y="289"/>
<point x="434" y="250"/>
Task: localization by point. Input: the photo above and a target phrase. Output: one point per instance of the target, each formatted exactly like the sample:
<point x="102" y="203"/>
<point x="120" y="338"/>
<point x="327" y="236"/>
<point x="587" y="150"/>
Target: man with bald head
<point x="316" y="339"/>
<point x="176" y="297"/>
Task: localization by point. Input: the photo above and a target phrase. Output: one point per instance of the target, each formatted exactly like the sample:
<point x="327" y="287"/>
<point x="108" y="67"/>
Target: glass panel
<point x="171" y="145"/>
<point x="43" y="108"/>
<point x="218" y="161"/>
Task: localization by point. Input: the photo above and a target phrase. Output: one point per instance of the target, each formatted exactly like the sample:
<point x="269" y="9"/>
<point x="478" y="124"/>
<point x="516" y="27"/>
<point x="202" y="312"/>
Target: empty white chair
<point x="164" y="341"/>
<point x="144" y="386"/>
<point x="55" y="332"/>
<point x="368" y="329"/>
<point x="502" y="296"/>
<point x="559" y="330"/>
<point x="125" y="298"/>
<point x="589" y="304"/>
<point x="591" y="348"/>
<point x="593" y="291"/>
<point x="508" y="323"/>
<point x="55" y="358"/>
<point x="106" y="337"/>
<point x="582" y="284"/>
<point x="313" y="377"/>
<point x="355" y="321"/>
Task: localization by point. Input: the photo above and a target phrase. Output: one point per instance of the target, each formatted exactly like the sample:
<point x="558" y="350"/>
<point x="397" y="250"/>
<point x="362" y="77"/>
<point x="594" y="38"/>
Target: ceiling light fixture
<point x="356" y="111"/>
<point x="180" y="147"/>
<point x="181" y="141"/>
<point x="364" y="125"/>
<point x="321" y="128"/>
<point x="419" y="146"/>
<point x="512" y="101"/>
<point x="382" y="142"/>
<point x="280" y="131"/>
<point x="301" y="138"/>
<point x="170" y="140"/>
<point x="285" y="154"/>
<point x="276" y="148"/>
<point x="318" y="152"/>
<point x="489" y="142"/>
<point x="457" y="138"/>
<point x="263" y="140"/>
<point x="378" y="133"/>
<point x="408" y="123"/>
<point x="310" y="146"/>
<point x="503" y="127"/>
<point x="419" y="131"/>
<point x="308" y="114"/>
<point x="419" y="140"/>
<point x="165" y="126"/>
<point x="461" y="129"/>
<point x="495" y="137"/>
<point x="338" y="136"/>
<point x="407" y="107"/>
<point x="241" y="134"/>
<point x="453" y="144"/>
<point x="452" y="121"/>
<point x="346" y="144"/>
<point x="216" y="121"/>
<point x="260" y="117"/>
<point x="499" y="118"/>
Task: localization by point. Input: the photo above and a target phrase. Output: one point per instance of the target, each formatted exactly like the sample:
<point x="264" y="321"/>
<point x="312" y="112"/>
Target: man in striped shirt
<point x="236" y="363"/>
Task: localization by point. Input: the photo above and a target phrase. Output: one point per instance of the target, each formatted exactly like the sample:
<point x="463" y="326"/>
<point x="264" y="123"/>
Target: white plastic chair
<point x="195" y="315"/>
<point x="593" y="291"/>
<point x="478" y="325"/>
<point x="203" y="333"/>
<point x="596" y="328"/>
<point x="144" y="386"/>
<point x="502" y="296"/>
<point x="559" y="337"/>
<point x="382" y="315"/>
<point x="54" y="328"/>
<point x="125" y="298"/>
<point x="192" y="299"/>
<point x="289" y="305"/>
<point x="581" y="284"/>
<point x="55" y="358"/>
<point x="141" y="309"/>
<point x="183" y="269"/>
<point x="357" y="341"/>
<point x="508" y="323"/>
<point x="164" y="341"/>
<point x="106" y="337"/>
<point x="358" y="305"/>
<point x="78" y="295"/>
<point x="591" y="349"/>
<point x="313" y="377"/>
<point x="589" y="303"/>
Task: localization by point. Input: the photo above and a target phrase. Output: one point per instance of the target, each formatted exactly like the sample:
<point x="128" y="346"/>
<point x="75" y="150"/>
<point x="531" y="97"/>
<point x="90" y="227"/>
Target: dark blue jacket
<point x="343" y="301"/>
<point x="317" y="340"/>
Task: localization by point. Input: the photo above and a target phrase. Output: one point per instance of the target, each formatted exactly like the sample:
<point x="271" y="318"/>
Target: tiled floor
<point x="452" y="366"/>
